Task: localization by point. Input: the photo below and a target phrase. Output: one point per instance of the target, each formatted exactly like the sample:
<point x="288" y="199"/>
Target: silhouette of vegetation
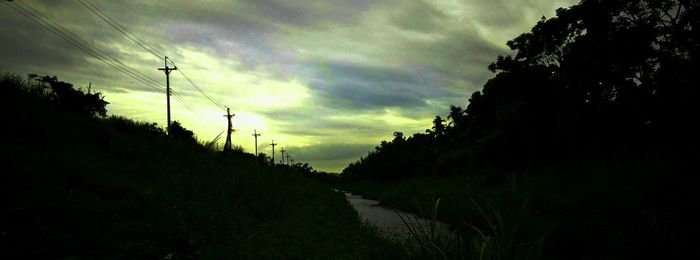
<point x="177" y="131"/>
<point x="600" y="77"/>
<point x="607" y="90"/>
<point x="54" y="93"/>
<point x="76" y="184"/>
<point x="305" y="170"/>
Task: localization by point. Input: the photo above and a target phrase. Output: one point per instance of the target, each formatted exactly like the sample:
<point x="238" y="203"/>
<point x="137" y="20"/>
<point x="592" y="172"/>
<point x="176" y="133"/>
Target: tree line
<point x="601" y="78"/>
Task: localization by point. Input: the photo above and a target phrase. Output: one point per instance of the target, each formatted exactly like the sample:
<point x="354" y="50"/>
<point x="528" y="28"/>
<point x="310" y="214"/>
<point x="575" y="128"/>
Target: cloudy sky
<point x="327" y="80"/>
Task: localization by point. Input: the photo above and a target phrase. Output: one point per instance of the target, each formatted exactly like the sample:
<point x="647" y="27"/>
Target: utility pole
<point x="282" y="161"/>
<point x="227" y="145"/>
<point x="167" y="71"/>
<point x="89" y="87"/>
<point x="287" y="158"/>
<point x="273" y="151"/>
<point x="255" y="134"/>
<point x="292" y="161"/>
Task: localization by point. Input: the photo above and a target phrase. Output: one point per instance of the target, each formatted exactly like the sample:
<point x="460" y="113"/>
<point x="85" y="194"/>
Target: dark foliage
<point x="49" y="91"/>
<point x="601" y="78"/>
<point x="593" y="114"/>
<point x="77" y="186"/>
<point x="177" y="131"/>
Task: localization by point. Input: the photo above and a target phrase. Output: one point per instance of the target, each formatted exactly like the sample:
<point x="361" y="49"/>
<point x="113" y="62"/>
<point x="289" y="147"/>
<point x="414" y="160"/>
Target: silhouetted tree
<point x="602" y="77"/>
<point x="438" y="126"/>
<point x="177" y="131"/>
<point x="63" y="96"/>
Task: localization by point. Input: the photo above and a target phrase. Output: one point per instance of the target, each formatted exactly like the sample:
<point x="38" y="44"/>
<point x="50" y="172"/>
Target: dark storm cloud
<point x="501" y="12"/>
<point x="323" y="122"/>
<point x="23" y="40"/>
<point x="419" y="16"/>
<point x="460" y="61"/>
<point x="354" y="86"/>
<point x="313" y="13"/>
<point x="460" y="54"/>
<point x="310" y="12"/>
<point x="31" y="48"/>
<point x="509" y="14"/>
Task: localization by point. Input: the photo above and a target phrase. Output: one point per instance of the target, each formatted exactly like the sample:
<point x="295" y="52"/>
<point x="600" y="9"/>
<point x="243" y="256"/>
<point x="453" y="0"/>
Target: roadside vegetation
<point x="583" y="145"/>
<point x="79" y="184"/>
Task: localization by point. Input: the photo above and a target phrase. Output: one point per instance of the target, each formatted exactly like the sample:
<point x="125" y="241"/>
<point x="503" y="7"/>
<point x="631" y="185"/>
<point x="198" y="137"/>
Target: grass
<point x="502" y="239"/>
<point x="83" y="187"/>
<point x="621" y="208"/>
<point x="427" y="242"/>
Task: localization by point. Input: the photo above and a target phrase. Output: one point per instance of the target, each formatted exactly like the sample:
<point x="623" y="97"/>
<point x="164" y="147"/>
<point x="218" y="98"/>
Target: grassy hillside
<point x="78" y="186"/>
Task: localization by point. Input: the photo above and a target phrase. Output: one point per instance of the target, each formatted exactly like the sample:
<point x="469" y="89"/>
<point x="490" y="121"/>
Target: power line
<point x="57" y="29"/>
<point x="83" y="46"/>
<point x="85" y="43"/>
<point x="200" y="90"/>
<point x="121" y="28"/>
<point x="189" y="108"/>
<point x="186" y="105"/>
<point x="75" y="40"/>
<point x="194" y="112"/>
<point x="184" y="102"/>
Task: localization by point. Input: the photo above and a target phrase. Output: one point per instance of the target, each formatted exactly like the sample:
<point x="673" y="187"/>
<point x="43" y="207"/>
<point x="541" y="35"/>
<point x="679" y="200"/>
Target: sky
<point x="327" y="80"/>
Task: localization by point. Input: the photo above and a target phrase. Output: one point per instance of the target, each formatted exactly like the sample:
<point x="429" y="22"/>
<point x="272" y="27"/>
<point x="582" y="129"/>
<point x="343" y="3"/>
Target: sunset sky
<point x="327" y="80"/>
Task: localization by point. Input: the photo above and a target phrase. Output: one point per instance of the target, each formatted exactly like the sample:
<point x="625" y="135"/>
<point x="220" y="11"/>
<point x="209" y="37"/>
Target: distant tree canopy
<point x="603" y="75"/>
<point x="54" y="93"/>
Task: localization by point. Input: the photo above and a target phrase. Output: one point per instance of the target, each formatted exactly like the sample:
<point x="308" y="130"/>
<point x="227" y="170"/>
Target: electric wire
<point x="51" y="26"/>
<point x="201" y="91"/>
<point x="159" y="54"/>
<point x="189" y="107"/>
<point x="57" y="29"/>
<point x="83" y="42"/>
<point x="94" y="9"/>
